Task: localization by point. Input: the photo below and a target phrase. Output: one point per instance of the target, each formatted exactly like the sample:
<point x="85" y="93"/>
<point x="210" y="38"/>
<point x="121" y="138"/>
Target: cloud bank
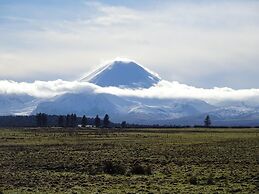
<point x="163" y="90"/>
<point x="45" y="89"/>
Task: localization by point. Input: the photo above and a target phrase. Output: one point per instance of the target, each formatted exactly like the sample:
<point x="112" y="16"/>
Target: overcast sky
<point x="199" y="43"/>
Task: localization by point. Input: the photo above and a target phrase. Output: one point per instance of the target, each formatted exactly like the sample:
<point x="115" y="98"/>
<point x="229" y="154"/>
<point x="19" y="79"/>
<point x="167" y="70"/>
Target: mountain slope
<point x="126" y="74"/>
<point x="135" y="110"/>
<point x="123" y="74"/>
<point x="89" y="104"/>
<point x="13" y="104"/>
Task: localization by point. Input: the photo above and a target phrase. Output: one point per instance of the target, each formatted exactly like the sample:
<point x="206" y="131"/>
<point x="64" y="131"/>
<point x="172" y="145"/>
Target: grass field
<point x="132" y="161"/>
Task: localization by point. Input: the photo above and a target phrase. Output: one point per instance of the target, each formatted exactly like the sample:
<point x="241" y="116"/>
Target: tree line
<point x="45" y="120"/>
<point x="72" y="120"/>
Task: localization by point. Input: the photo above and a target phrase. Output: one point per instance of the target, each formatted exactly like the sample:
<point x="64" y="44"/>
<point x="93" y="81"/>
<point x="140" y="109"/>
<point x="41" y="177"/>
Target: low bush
<point x="193" y="180"/>
<point x="210" y="180"/>
<point x="111" y="168"/>
<point x="140" y="170"/>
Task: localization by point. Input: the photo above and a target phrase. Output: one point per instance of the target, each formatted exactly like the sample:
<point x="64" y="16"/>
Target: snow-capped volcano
<point x="126" y="74"/>
<point x="134" y="109"/>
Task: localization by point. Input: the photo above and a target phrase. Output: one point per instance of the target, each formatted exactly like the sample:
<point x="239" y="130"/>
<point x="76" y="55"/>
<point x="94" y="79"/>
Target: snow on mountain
<point x="137" y="110"/>
<point x="239" y="115"/>
<point x="84" y="103"/>
<point x="237" y="112"/>
<point x="13" y="104"/>
<point x="126" y="74"/>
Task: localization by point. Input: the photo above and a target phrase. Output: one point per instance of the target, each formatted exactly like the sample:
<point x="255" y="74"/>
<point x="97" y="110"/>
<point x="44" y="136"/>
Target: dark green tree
<point x="61" y="121"/>
<point x="106" y="121"/>
<point x="73" y="118"/>
<point x="207" y="121"/>
<point x="84" y="121"/>
<point x="38" y="120"/>
<point x="68" y="120"/>
<point x="97" y="121"/>
<point x="42" y="119"/>
<point x="123" y="124"/>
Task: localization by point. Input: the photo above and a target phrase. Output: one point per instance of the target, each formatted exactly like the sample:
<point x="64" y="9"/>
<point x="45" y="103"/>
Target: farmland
<point x="129" y="161"/>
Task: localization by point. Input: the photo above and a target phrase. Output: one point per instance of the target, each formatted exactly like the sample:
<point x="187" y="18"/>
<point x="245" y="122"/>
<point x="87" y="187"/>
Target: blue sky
<point x="200" y="43"/>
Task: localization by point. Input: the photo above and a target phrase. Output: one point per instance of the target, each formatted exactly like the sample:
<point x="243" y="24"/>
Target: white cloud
<point x="163" y="90"/>
<point x="44" y="89"/>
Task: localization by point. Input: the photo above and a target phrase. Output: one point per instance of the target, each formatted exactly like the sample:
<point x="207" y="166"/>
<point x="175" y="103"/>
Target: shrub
<point x="141" y="170"/>
<point x="148" y="170"/>
<point x="110" y="168"/>
<point x="137" y="169"/>
<point x="210" y="180"/>
<point x="193" y="180"/>
<point x="93" y="170"/>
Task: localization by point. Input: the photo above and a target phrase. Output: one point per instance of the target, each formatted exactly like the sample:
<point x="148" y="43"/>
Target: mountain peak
<point x="123" y="73"/>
